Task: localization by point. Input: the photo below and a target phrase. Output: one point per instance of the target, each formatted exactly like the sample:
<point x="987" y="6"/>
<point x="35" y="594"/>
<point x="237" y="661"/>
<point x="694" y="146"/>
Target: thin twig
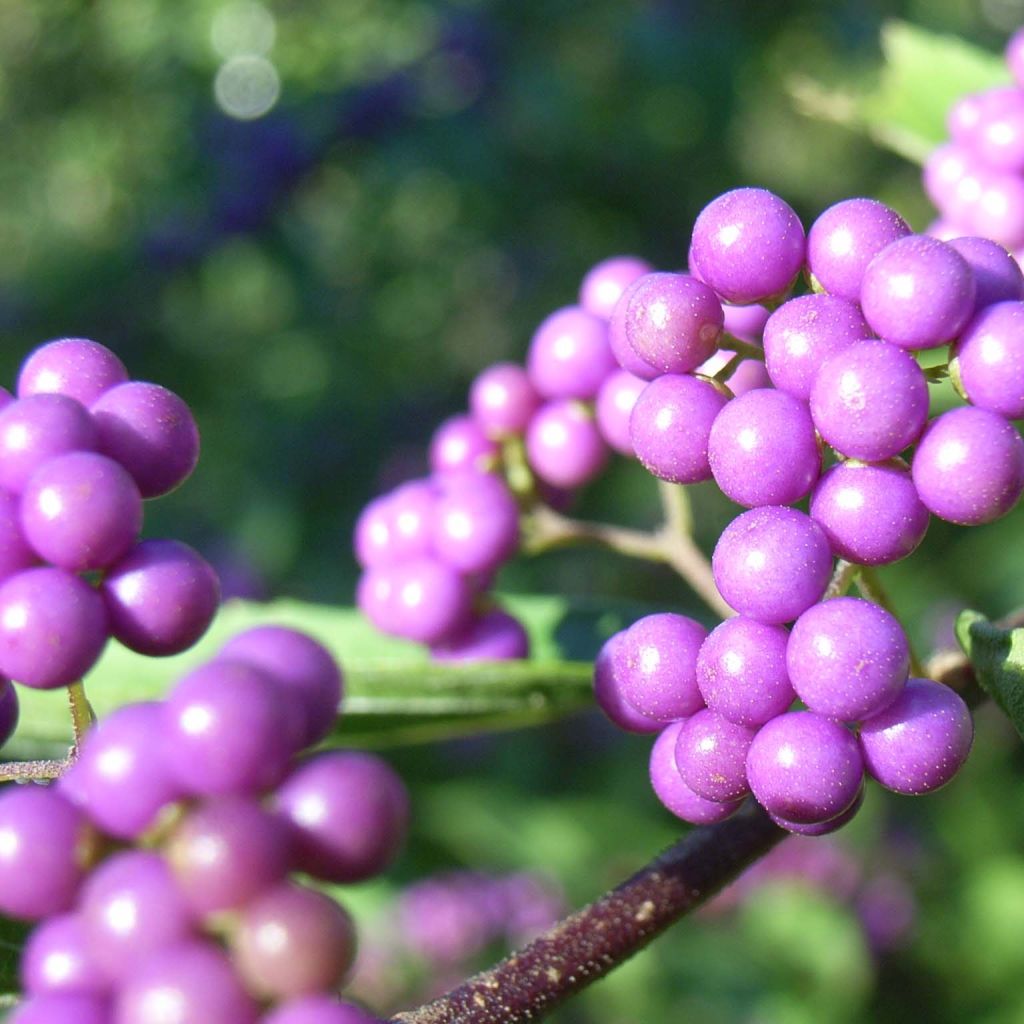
<point x="842" y="578"/>
<point x="741" y="347"/>
<point x="584" y="947"/>
<point x="82" y="714"/>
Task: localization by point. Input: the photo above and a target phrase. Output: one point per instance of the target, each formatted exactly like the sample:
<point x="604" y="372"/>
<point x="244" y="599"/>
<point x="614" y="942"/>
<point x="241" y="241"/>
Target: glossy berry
<point x="150" y="431"/>
<point x="997" y="275"/>
<point x="671" y="424"/>
<point x="659" y="666"/>
<point x="772" y="563"/>
<point x="845" y="238"/>
<point x="917" y="293"/>
<point x="461" y="443"/>
<point x="61" y="1008"/>
<point x="493" y="636"/>
<point x="615" y="402"/>
<point x="161" y="597"/>
<point x="673" y="793"/>
<point x="919" y="742"/>
<point x="870" y="401"/>
<point x="822" y="828"/>
<point x="625" y="355"/>
<point x="569" y="354"/>
<point x="673" y="321"/>
<point x="609" y="668"/>
<point x="15" y="551"/>
<point x="564" y="446"/>
<point x="711" y="755"/>
<point x="847" y="658"/>
<point x="81" y="511"/>
<point x="604" y="283"/>
<point x="397" y="526"/>
<point x="763" y="449"/>
<point x="870" y="511"/>
<point x="748" y="245"/>
<point x="53" y="627"/>
<point x="502" y="400"/>
<point x="57" y="959"/>
<point x="741" y="671"/>
<point x="969" y="466"/>
<point x="349" y="812"/>
<point x="804" y="768"/>
<point x="76" y="367"/>
<point x="806" y="331"/>
<point x="475" y="525"/>
<point x="989" y="360"/>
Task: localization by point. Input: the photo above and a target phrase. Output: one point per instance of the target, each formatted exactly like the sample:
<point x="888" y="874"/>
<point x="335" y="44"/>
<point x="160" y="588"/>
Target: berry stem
<point x="741" y="348"/>
<point x="842" y="579"/>
<point x="933" y="374"/>
<point x="33" y="771"/>
<point x="676" y="508"/>
<point x="726" y="371"/>
<point x="82" y="714"/>
<point x="585" y="946"/>
<point x="871" y="587"/>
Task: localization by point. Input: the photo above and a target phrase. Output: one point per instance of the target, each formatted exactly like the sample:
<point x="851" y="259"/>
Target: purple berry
<point x="989" y="360"/>
<point x="564" y="446"/>
<point x="845" y="239"/>
<point x="122" y="778"/>
<point x="870" y="512"/>
<point x="673" y="793"/>
<point x="151" y="432"/>
<point x="460" y="443"/>
<point x="604" y="283"/>
<point x="230" y="728"/>
<point x="749" y="375"/>
<point x="614" y="408"/>
<point x="227" y="851"/>
<point x="803" y="333"/>
<point x="804" y="768"/>
<point x="997" y="275"/>
<point x="301" y="666"/>
<point x="823" y="828"/>
<point x="569" y="354"/>
<point x="493" y="636"/>
<point x="659" y="666"/>
<point x="349" y="812"/>
<point x="847" y="658"/>
<point x="741" y="671"/>
<point x="292" y="941"/>
<point x="130" y="908"/>
<point x="763" y="449"/>
<point x="919" y="742"/>
<point x="711" y="755"/>
<point x="397" y="526"/>
<point x="997" y="133"/>
<point x="57" y="958"/>
<point x="748" y="245"/>
<point x="771" y="564"/>
<point x="61" y="1008"/>
<point x="673" y="321"/>
<point x="15" y="552"/>
<point x="746" y="322"/>
<point x="81" y="511"/>
<point x="76" y="367"/>
<point x="53" y="627"/>
<point x="475" y="524"/>
<point x="194" y="981"/>
<point x="968" y="468"/>
<point x="671" y="425"/>
<point x="46" y="844"/>
<point x="917" y="293"/>
<point x="37" y="428"/>
<point x="161" y="597"/>
<point x="870" y="401"/>
<point x="502" y="400"/>
<point x="624" y="353"/>
<point x="608" y="676"/>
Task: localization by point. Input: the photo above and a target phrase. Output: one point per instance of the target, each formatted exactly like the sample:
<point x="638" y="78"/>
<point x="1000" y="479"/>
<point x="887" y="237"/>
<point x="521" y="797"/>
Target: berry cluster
<point x="977" y="178"/>
<point x="844" y="386"/>
<point x="157" y="867"/>
<point x="81" y="448"/>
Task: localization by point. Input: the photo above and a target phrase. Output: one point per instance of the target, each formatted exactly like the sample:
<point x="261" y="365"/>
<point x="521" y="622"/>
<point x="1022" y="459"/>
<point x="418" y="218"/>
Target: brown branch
<point x="584" y="947"/>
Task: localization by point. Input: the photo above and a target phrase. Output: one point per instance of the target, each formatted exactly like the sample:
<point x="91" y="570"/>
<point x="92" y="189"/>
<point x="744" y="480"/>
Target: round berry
<point x="604" y="283"/>
<point x="989" y="360"/>
<point x="502" y="400"/>
<point x="493" y="636"/>
<point x="461" y="443"/>
<point x="396" y="526"/>
<point x="569" y="354"/>
<point x="57" y="959"/>
<point x="615" y="402"/>
<point x="997" y="275"/>
<point x="711" y="755"/>
<point x="475" y="524"/>
<point x="608" y="691"/>
<point x="564" y="446"/>
<point x="76" y="367"/>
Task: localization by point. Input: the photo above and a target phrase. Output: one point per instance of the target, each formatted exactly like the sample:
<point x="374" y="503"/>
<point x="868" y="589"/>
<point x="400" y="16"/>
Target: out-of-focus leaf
<point x="393" y="694"/>
<point x="997" y="657"/>
<point x="905" y="108"/>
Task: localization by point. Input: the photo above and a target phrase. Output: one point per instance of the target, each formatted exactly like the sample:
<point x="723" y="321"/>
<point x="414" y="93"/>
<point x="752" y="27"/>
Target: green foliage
<point x="997" y="657"/>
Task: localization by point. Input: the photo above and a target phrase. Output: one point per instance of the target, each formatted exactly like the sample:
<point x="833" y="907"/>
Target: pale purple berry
<point x="711" y="755"/>
<point x="396" y="526"/>
<point x="502" y="400"/>
<point x="997" y="275"/>
<point x="57" y="959"/>
<point x="614" y="408"/>
<point x="919" y="742"/>
<point x="989" y="360"/>
<point x="608" y="675"/>
<point x="625" y="355"/>
<point x="62" y="1008"/>
<point x="968" y="468"/>
<point x="564" y="446"/>
<point x="604" y="283"/>
<point x="76" y="367"/>
<point x="461" y="443"/>
<point x="569" y="354"/>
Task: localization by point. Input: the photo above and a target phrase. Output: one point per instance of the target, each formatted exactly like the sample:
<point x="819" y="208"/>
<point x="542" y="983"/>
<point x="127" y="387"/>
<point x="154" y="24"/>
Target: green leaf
<point x="997" y="657"/>
<point x="905" y="107"/>
<point x="393" y="694"/>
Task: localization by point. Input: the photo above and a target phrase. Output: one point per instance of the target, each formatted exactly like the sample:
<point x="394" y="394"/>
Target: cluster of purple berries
<point x="977" y="178"/>
<point x="844" y="382"/>
<point x="158" y="866"/>
<point x="81" y="448"/>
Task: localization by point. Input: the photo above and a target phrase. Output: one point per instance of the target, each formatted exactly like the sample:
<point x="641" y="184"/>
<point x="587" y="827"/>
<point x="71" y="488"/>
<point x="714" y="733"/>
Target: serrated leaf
<point x="393" y="693"/>
<point x="905" y="108"/>
<point x="997" y="657"/>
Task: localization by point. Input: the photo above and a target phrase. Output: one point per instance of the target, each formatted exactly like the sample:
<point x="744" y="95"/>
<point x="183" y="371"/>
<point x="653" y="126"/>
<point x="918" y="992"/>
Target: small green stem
<point x="82" y="714"/>
<point x="727" y="370"/>
<point x="871" y="587"/>
<point x="741" y="348"/>
<point x="842" y="578"/>
<point x="676" y="507"/>
<point x="934" y="374"/>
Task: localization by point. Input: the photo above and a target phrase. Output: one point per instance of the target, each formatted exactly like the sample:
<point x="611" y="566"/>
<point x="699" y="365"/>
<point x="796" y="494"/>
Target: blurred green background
<point x="316" y="220"/>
